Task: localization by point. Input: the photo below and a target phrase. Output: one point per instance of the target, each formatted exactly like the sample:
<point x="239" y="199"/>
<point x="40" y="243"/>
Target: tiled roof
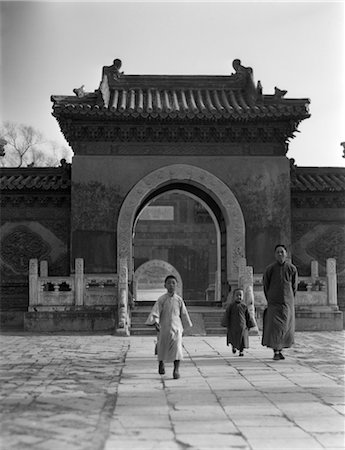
<point x="307" y="179"/>
<point x="319" y="179"/>
<point x="181" y="96"/>
<point x="27" y="179"/>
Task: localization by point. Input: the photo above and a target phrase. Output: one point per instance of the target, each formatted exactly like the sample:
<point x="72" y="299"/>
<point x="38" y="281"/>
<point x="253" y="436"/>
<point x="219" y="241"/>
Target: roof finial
<point x="115" y="68"/>
<point x="79" y="92"/>
<point x="241" y="70"/>
<point x="259" y="88"/>
<point x="279" y="93"/>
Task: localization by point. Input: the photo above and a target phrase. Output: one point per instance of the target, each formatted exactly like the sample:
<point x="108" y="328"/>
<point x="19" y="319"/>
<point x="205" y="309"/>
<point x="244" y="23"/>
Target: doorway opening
<point x="178" y="228"/>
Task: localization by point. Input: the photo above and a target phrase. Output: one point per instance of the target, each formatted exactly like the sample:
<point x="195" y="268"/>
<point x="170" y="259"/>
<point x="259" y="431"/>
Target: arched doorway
<point x="148" y="280"/>
<point x="178" y="227"/>
<point x="206" y="187"/>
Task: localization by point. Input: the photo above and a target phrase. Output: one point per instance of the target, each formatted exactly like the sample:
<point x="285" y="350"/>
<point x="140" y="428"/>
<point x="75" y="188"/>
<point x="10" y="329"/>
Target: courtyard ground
<point x="95" y="392"/>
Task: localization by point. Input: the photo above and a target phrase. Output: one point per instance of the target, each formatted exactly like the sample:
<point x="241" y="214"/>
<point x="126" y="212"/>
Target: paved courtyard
<point x="95" y="392"/>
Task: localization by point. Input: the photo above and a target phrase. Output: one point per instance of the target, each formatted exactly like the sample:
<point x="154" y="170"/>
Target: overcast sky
<point x="52" y="47"/>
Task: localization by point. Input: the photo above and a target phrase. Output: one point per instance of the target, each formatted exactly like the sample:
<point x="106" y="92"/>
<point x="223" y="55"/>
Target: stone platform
<point x="102" y="392"/>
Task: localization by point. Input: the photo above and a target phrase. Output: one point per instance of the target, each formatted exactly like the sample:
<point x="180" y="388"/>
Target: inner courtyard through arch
<point x="177" y="228"/>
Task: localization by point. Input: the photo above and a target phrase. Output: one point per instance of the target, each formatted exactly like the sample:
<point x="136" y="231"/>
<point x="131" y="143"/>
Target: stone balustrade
<point x="312" y="290"/>
<point x="245" y="281"/>
<point x="79" y="290"/>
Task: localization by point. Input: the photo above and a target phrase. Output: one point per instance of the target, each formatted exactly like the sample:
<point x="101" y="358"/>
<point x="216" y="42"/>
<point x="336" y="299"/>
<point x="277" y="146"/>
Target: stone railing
<point x="312" y="290"/>
<point x="246" y="282"/>
<point x="80" y="290"/>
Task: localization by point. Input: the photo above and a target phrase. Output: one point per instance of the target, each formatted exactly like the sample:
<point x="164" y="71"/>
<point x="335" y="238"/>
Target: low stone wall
<point x="90" y="320"/>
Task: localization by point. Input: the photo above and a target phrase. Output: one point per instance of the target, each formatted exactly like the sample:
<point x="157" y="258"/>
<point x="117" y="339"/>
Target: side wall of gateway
<point x="31" y="226"/>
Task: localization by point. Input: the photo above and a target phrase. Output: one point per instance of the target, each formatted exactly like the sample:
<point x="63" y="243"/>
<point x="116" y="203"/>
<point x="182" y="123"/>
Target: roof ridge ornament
<point x="114" y="70"/>
<point x="278" y="93"/>
<point x="241" y="70"/>
<point x="79" y="92"/>
<point x="245" y="75"/>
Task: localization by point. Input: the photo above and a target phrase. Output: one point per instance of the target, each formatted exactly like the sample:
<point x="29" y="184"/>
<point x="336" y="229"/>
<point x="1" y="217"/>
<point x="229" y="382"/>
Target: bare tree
<point x="24" y="145"/>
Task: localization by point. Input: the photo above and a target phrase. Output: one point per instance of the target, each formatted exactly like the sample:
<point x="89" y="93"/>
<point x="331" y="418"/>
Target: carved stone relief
<point x="314" y="241"/>
<point x="19" y="246"/>
<point x="24" y="240"/>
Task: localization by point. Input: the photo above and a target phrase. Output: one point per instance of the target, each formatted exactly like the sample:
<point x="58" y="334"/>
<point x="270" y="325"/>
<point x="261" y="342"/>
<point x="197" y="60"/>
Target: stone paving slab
<point x="102" y="392"/>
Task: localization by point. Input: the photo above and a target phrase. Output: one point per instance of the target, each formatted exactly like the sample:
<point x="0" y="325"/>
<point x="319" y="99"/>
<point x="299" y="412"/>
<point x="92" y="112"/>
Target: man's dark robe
<point x="280" y="286"/>
<point x="237" y="320"/>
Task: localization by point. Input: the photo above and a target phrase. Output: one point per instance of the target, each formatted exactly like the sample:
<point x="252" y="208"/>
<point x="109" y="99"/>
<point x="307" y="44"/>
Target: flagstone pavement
<point x="103" y="392"/>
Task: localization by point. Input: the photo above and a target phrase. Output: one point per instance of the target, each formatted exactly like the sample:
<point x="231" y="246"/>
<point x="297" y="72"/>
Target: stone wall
<point x="318" y="223"/>
<point x="100" y="184"/>
<point x="35" y="223"/>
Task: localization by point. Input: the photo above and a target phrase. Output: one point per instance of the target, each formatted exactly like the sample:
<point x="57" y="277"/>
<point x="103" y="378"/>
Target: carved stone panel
<point x="24" y="240"/>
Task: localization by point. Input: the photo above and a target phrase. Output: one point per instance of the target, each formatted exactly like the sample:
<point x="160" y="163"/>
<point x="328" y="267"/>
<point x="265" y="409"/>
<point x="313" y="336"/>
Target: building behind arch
<point x="235" y="187"/>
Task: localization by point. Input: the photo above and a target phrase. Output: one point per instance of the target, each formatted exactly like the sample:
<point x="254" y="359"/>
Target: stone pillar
<point x="331" y="282"/>
<point x="123" y="312"/>
<point x="241" y="271"/>
<point x="33" y="281"/>
<point x="79" y="282"/>
<point x="248" y="289"/>
<point x="314" y="271"/>
<point x="217" y="294"/>
<point x="43" y="268"/>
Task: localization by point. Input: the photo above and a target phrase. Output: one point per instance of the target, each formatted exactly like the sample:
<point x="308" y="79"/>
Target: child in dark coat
<point x="237" y="320"/>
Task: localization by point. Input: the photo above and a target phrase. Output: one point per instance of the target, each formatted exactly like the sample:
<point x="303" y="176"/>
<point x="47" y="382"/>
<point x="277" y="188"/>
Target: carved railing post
<point x="33" y="282"/>
<point x="248" y="281"/>
<point x="79" y="282"/>
<point x="332" y="299"/>
<point x="314" y="271"/>
<point x="43" y="268"/>
<point x="241" y="271"/>
<point x="123" y="311"/>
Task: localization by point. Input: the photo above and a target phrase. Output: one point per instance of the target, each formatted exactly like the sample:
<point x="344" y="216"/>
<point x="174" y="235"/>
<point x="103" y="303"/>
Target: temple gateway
<point x="181" y="174"/>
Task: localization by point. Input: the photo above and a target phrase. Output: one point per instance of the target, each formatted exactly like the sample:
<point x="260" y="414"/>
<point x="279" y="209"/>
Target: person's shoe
<point x="276" y="357"/>
<point x="161" y="368"/>
<point x="281" y="356"/>
<point x="176" y="373"/>
<point x="241" y="354"/>
<point x="233" y="350"/>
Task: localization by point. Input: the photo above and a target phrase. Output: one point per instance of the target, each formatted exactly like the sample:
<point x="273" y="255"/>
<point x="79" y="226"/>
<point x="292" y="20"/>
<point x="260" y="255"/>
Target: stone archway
<point x="205" y="181"/>
<point x="161" y="269"/>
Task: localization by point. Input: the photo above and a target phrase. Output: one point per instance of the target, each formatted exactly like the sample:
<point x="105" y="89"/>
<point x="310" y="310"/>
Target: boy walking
<point x="237" y="320"/>
<point x="168" y="315"/>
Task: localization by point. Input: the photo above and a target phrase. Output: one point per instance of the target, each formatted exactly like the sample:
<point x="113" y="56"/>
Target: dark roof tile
<point x="319" y="179"/>
<point x="180" y="96"/>
<point x="34" y="179"/>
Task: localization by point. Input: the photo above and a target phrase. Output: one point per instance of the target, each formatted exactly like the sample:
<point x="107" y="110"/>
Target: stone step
<point x="140" y="331"/>
<point x="215" y="320"/>
<point x="216" y="330"/>
<point x="206" y="319"/>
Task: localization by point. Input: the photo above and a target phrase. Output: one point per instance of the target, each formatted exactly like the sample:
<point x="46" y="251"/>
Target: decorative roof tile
<point x="34" y="179"/>
<point x="180" y="96"/>
<point x="319" y="179"/>
<point x="306" y="180"/>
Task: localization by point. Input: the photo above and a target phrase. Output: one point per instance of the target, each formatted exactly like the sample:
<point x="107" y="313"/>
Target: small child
<point x="168" y="315"/>
<point x="237" y="320"/>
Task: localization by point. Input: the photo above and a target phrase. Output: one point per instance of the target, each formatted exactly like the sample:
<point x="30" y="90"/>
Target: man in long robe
<point x="169" y="315"/>
<point x="280" y="285"/>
